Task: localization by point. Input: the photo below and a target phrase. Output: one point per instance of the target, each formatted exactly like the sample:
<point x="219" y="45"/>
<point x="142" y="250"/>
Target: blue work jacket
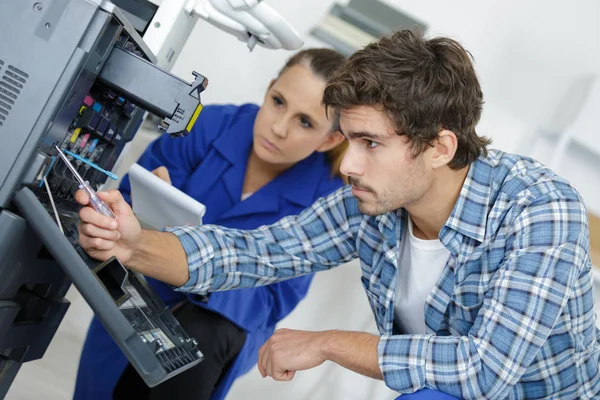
<point x="210" y="165"/>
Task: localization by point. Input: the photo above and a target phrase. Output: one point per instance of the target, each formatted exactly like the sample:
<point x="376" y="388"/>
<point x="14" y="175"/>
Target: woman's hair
<point x="323" y="63"/>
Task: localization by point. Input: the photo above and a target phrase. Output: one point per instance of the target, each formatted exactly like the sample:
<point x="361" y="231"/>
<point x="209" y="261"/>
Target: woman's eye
<point x="371" y="144"/>
<point x="305" y="122"/>
<point x="277" y="101"/>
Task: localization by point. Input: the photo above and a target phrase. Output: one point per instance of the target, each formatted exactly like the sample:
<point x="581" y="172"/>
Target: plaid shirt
<point x="512" y="313"/>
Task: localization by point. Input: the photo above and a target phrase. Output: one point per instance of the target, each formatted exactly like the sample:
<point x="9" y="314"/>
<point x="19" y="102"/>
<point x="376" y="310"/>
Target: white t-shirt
<point x="419" y="269"/>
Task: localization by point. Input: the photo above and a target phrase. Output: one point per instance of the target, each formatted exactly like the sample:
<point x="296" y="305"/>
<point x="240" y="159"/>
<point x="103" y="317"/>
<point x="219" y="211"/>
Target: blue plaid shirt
<point x="512" y="313"/>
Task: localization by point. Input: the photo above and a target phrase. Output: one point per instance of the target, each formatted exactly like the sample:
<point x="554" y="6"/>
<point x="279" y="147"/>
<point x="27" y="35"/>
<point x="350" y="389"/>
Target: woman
<point x="250" y="166"/>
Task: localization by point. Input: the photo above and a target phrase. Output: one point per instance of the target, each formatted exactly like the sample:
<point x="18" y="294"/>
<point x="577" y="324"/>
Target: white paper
<point x="158" y="204"/>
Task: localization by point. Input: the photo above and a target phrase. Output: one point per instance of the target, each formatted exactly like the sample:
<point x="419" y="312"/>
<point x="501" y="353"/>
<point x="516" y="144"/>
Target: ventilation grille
<point x="11" y="85"/>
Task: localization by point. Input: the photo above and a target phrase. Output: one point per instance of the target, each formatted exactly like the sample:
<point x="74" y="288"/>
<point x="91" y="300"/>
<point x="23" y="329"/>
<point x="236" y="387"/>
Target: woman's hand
<point x="103" y="237"/>
<point x="163" y="173"/>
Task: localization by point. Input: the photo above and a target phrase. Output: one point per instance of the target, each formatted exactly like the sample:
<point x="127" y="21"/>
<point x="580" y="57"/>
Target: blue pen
<point x="91" y="164"/>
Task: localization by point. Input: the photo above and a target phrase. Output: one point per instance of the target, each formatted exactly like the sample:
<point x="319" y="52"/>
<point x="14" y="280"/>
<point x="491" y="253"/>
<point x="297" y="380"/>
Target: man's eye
<point x="371" y="144"/>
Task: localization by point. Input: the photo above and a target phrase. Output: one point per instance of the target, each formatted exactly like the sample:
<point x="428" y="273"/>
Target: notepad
<point x="158" y="204"/>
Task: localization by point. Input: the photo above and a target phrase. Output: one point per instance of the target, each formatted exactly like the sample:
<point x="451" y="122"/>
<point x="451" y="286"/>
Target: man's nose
<point x="351" y="164"/>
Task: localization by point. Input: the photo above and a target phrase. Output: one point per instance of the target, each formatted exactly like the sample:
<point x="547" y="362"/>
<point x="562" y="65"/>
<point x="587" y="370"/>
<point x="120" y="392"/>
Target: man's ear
<point x="333" y="139"/>
<point x="444" y="148"/>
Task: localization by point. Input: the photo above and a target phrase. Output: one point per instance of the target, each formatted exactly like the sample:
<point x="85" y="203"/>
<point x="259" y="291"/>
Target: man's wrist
<point x="356" y="351"/>
<point x="161" y="256"/>
<point x="328" y="344"/>
<point x="136" y="260"/>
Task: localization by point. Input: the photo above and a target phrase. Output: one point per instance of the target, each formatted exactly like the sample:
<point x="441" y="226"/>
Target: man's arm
<point x="202" y="259"/>
<point x="356" y="351"/>
<point x="159" y="249"/>
<point x="152" y="253"/>
<point x="525" y="299"/>
<point x="319" y="238"/>
<point x="288" y="351"/>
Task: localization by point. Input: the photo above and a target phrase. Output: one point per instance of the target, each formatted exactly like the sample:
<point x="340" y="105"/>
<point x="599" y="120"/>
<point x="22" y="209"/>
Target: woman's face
<point x="291" y="124"/>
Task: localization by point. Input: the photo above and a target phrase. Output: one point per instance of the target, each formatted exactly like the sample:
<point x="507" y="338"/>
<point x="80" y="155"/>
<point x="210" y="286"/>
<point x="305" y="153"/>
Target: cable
<point x="53" y="206"/>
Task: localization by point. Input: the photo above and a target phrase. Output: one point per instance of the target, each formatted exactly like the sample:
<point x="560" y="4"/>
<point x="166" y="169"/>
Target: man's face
<point x="379" y="163"/>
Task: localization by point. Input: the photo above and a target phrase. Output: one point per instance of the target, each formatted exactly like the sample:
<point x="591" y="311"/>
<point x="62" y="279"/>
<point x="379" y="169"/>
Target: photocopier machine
<point x="79" y="75"/>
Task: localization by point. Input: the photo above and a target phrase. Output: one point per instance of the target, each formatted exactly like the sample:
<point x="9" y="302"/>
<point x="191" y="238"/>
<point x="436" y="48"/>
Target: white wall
<point x="527" y="53"/>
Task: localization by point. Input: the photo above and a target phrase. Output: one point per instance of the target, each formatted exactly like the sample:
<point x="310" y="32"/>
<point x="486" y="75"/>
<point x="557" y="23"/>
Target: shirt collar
<point x="469" y="215"/>
<point x="391" y="225"/>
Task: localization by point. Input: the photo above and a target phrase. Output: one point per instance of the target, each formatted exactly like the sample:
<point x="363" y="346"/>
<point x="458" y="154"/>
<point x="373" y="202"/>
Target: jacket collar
<point x="298" y="185"/>
<point x="308" y="172"/>
<point x="236" y="146"/>
<point x="236" y="143"/>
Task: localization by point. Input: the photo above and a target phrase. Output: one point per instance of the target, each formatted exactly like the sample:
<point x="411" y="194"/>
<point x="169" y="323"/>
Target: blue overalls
<point x="209" y="165"/>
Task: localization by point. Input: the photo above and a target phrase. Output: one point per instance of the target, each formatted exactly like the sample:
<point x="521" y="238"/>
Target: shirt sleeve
<point x="285" y="296"/>
<point x="546" y="251"/>
<point x="319" y="238"/>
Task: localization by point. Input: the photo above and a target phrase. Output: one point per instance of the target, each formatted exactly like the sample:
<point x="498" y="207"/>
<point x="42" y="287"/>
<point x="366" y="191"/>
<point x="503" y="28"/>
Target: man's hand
<point x="158" y="255"/>
<point x="288" y="351"/>
<point x="101" y="236"/>
<point x="163" y="173"/>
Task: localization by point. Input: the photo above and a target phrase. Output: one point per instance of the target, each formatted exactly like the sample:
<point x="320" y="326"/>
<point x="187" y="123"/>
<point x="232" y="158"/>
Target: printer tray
<point x="136" y="318"/>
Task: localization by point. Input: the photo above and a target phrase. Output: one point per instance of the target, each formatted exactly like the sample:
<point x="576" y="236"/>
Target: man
<point x="475" y="263"/>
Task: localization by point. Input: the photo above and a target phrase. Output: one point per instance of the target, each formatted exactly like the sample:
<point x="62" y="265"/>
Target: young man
<point x="475" y="263"/>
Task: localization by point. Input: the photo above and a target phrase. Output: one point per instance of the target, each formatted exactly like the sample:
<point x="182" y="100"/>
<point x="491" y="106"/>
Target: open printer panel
<point x="74" y="73"/>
